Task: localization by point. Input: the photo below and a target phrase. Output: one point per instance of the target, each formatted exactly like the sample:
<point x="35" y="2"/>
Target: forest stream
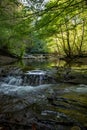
<point x="43" y="95"/>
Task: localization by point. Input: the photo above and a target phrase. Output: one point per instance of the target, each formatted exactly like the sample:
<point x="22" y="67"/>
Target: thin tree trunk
<point x="82" y="38"/>
<point x="68" y="41"/>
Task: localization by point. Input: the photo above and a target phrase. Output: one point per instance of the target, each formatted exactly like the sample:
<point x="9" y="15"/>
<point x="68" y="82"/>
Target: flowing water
<point x="31" y="99"/>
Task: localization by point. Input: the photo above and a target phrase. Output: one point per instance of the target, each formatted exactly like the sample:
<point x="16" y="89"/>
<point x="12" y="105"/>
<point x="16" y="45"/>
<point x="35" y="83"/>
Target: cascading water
<point x="25" y="82"/>
<point x="13" y="80"/>
<point x="35" y="77"/>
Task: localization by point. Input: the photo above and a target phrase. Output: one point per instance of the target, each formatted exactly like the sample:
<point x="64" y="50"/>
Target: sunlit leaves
<point x="56" y="23"/>
<point x="63" y="20"/>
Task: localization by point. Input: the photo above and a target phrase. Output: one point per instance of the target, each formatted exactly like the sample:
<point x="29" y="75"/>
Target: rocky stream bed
<point x="44" y="95"/>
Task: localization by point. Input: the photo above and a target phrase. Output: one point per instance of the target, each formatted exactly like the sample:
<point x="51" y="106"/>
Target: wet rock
<point x="75" y="128"/>
<point x="15" y="71"/>
<point x="5" y="128"/>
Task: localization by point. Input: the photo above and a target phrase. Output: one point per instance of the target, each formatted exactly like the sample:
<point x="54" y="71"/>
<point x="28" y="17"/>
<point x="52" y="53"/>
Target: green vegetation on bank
<point x="58" y="26"/>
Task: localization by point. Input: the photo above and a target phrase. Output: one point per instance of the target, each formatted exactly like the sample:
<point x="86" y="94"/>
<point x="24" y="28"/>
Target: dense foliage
<point x="55" y="26"/>
<point x="64" y="25"/>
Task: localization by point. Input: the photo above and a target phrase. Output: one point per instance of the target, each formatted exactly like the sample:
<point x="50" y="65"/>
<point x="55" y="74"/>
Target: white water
<point x="19" y="85"/>
<point x="20" y="90"/>
<point x="36" y="72"/>
<point x="35" y="77"/>
<point x="14" y="85"/>
<point x="82" y="88"/>
<point x="11" y="80"/>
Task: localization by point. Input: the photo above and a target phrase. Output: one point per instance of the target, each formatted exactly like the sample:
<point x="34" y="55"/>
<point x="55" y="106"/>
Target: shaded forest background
<point x="55" y="26"/>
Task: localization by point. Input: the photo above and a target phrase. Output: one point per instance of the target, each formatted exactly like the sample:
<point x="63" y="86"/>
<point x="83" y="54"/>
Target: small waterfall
<point x="29" y="80"/>
<point x="24" y="83"/>
<point x="34" y="77"/>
